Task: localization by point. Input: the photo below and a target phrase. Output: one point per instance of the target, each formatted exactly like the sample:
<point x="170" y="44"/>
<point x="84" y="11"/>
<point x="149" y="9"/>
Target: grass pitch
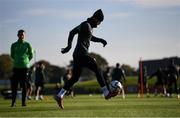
<point x="94" y="106"/>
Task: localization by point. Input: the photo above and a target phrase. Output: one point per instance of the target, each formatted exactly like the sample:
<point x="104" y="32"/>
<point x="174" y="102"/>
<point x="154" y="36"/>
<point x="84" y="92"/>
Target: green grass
<point x="95" y="106"/>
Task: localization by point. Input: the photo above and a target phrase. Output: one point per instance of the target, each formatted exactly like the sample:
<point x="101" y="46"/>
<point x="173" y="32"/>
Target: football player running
<point x="81" y="56"/>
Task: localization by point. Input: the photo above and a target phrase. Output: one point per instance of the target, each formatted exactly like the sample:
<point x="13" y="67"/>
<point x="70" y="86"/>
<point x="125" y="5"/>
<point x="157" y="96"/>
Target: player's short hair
<point x="98" y="15"/>
<point x="117" y="64"/>
<point x="20" y="31"/>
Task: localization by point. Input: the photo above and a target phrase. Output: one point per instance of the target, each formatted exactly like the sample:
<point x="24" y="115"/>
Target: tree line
<point x="54" y="73"/>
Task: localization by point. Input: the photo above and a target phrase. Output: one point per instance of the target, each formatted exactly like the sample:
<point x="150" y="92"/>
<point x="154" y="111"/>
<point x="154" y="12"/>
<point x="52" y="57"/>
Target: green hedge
<point x="92" y="86"/>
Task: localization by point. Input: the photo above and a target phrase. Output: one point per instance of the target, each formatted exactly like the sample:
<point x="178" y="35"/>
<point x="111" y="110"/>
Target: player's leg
<point x="23" y="85"/>
<point x="90" y="63"/>
<point x="170" y="87"/>
<point x="41" y="91"/>
<point x="30" y="92"/>
<point x="29" y="89"/>
<point x="122" y="89"/>
<point x="37" y="91"/>
<point x="156" y="89"/>
<point x="176" y="86"/>
<point x="107" y="81"/>
<point x="165" y="86"/>
<point x="14" y="85"/>
<point x="123" y="93"/>
<point x="75" y="77"/>
<point x="161" y="89"/>
<point x="164" y="90"/>
<point x="28" y="86"/>
<point x="76" y="72"/>
<point x="72" y="92"/>
<point x="23" y="78"/>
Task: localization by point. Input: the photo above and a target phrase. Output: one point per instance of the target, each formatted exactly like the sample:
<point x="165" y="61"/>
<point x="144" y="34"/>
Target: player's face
<point x="21" y="35"/>
<point x="97" y="22"/>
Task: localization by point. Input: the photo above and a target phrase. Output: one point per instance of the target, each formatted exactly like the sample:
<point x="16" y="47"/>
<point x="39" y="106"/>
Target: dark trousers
<point x="19" y="77"/>
<point x="78" y="64"/>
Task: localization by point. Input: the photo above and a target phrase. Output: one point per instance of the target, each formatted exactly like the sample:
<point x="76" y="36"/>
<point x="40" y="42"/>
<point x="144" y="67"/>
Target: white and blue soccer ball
<point x="115" y="86"/>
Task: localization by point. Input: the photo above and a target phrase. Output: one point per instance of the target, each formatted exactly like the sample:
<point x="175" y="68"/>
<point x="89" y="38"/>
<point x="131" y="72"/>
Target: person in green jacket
<point x="21" y="53"/>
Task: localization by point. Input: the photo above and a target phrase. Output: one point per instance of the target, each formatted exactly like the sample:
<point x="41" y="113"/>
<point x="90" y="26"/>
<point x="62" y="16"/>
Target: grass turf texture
<point x="95" y="106"/>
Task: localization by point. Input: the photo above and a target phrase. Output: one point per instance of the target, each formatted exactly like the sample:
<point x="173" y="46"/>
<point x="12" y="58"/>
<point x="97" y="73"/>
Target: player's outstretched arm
<point x="65" y="50"/>
<point x="72" y="33"/>
<point x="95" y="39"/>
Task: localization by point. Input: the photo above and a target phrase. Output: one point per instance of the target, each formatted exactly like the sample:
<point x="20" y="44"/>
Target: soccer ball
<point x="115" y="86"/>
